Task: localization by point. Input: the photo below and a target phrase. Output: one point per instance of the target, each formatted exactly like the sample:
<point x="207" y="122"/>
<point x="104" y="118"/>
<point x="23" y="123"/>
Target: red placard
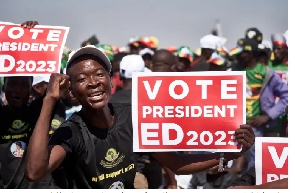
<point x="195" y="111"/>
<point x="284" y="77"/>
<point x="271" y="159"/>
<point x="30" y="52"/>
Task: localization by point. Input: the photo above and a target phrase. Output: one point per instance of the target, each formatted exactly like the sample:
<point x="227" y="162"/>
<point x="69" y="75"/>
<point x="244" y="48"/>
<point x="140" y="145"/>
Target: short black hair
<point x="18" y="143"/>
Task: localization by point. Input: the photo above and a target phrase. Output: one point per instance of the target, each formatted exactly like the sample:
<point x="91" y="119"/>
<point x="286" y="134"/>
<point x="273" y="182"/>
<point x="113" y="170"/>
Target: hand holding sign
<point x="245" y="137"/>
<point x="26" y="50"/>
<point x="189" y="111"/>
<point x="29" y="24"/>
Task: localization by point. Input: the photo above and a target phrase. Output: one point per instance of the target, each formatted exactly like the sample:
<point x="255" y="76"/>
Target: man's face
<point x="280" y="52"/>
<point x="244" y="59"/>
<point x="90" y="83"/>
<point x="17" y="90"/>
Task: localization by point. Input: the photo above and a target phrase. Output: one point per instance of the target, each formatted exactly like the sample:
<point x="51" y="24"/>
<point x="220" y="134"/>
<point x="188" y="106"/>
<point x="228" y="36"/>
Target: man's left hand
<point x="245" y="136"/>
<point x="260" y="120"/>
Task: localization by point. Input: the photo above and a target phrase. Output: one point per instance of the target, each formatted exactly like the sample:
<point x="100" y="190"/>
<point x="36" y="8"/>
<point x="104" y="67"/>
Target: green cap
<point x="185" y="52"/>
<point x="108" y="50"/>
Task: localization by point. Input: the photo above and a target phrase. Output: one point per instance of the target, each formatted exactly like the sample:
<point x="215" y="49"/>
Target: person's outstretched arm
<point x="41" y="160"/>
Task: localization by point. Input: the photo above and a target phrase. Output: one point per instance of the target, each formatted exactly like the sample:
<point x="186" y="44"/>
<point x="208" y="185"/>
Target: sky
<point x="173" y="22"/>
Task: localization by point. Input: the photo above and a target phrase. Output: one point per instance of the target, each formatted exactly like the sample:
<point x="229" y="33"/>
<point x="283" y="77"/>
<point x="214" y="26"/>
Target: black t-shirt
<point x="98" y="158"/>
<point x="125" y="96"/>
<point x="15" y="132"/>
<point x="248" y="179"/>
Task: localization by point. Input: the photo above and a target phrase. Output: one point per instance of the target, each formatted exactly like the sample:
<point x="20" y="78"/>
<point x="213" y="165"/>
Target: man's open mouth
<point x="96" y="96"/>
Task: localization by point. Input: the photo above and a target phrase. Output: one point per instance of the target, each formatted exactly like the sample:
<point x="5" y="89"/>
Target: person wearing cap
<point x="143" y="179"/>
<point x="185" y="57"/>
<point x="280" y="65"/>
<point x="217" y="62"/>
<point x="17" y="120"/>
<point x="248" y="180"/>
<point x="129" y="64"/>
<point x="155" y="43"/>
<point x="133" y="44"/>
<point x="208" y="43"/>
<point x="39" y="86"/>
<point x="109" y="52"/>
<point x="255" y="34"/>
<point x="147" y="55"/>
<point x="265" y="52"/>
<point x="262" y="83"/>
<point x="280" y="49"/>
<point x="97" y="142"/>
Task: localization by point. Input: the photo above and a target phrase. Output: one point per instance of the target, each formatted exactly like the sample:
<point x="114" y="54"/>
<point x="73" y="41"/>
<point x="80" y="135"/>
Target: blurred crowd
<point x="266" y="66"/>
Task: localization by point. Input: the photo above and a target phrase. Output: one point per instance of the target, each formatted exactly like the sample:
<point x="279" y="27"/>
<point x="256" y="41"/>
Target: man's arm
<point x="185" y="164"/>
<point x="39" y="161"/>
<point x="172" y="183"/>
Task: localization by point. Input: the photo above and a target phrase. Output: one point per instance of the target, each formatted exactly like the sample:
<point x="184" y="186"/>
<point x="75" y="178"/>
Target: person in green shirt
<point x="262" y="82"/>
<point x="280" y="62"/>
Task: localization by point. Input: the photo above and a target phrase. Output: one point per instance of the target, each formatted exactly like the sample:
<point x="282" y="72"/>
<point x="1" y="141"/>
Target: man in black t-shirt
<point x="17" y="120"/>
<point x="95" y="146"/>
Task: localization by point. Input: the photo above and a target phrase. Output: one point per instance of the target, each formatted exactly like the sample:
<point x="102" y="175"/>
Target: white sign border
<point x="136" y="75"/>
<point x="258" y="153"/>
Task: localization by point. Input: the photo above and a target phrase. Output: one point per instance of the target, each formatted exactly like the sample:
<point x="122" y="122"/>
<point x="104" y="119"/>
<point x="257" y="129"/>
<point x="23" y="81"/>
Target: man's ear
<point x="112" y="85"/>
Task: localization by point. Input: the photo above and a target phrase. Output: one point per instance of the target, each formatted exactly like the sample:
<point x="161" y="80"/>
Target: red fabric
<point x="116" y="82"/>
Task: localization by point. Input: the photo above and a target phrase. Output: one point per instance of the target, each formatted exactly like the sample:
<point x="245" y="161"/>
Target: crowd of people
<point x="74" y="129"/>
